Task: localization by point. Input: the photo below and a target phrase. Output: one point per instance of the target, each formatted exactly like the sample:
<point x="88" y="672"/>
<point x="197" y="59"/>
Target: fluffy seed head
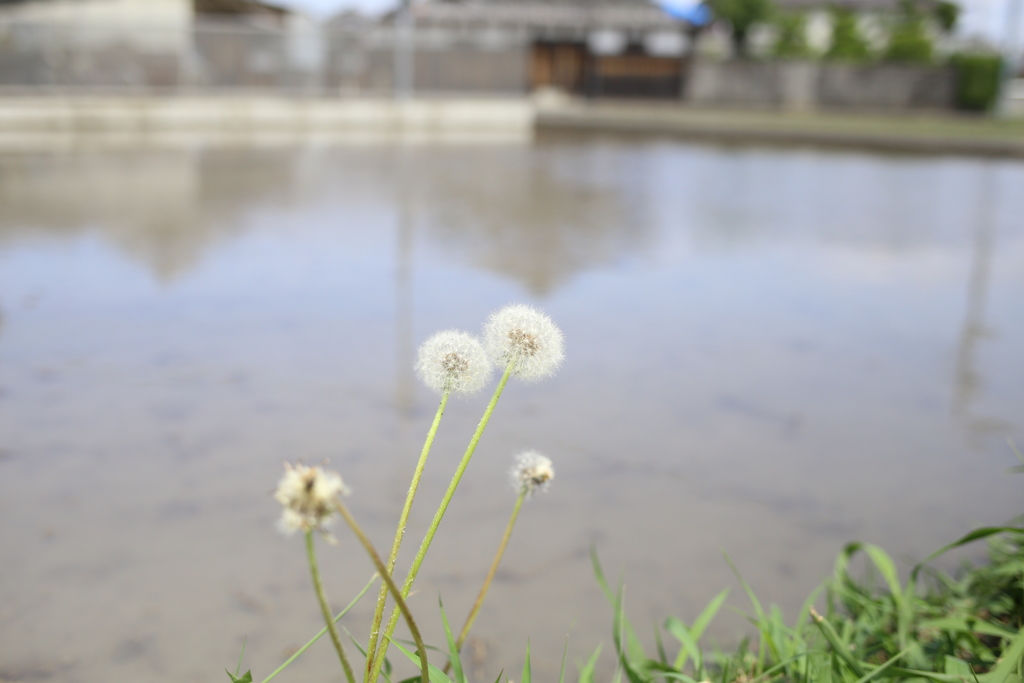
<point x="532" y="473"/>
<point x="522" y="335"/>
<point x="307" y="495"/>
<point x="453" y="361"/>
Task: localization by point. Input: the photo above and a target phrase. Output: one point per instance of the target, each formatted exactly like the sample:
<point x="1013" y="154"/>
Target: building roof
<point x="549" y="14"/>
<point x="247" y="7"/>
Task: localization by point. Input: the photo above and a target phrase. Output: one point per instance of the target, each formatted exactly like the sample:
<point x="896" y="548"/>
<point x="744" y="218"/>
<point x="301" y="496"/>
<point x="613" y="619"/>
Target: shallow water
<point x="770" y="353"/>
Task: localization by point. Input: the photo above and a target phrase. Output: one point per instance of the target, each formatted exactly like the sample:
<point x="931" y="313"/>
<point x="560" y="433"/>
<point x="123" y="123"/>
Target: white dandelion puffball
<point x="532" y="473"/>
<point x="307" y="495"/>
<point x="453" y="361"/>
<point x="526" y="338"/>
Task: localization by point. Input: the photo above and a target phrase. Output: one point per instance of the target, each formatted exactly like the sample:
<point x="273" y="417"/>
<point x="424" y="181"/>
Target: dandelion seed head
<point x="307" y="495"/>
<point x="532" y="473"/>
<point x="453" y="361"/>
<point x="522" y="335"/>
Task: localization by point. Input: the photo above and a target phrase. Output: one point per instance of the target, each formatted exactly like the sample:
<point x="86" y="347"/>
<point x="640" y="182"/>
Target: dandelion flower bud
<point x="307" y="495"/>
<point x="453" y="361"/>
<point x="527" y="338"/>
<point x="532" y="473"/>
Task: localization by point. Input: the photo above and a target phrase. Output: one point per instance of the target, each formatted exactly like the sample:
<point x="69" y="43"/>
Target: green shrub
<point x="909" y="42"/>
<point x="792" y="40"/>
<point x="977" y="80"/>
<point x="847" y="42"/>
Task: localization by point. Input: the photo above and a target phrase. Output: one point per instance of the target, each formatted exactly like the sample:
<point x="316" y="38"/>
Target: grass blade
<point x="565" y="652"/>
<point x="453" y="650"/>
<point x="240" y="655"/>
<point x="322" y="631"/>
<point x="526" y="677"/>
<point x="436" y="675"/>
<point x="587" y="672"/>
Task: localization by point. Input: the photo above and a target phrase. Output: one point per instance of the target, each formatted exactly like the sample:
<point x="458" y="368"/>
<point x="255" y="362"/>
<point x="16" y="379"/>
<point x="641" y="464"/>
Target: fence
<point x="223" y="55"/>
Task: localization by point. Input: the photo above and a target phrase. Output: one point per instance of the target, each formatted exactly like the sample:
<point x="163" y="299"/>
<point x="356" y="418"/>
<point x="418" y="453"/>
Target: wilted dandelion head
<point x="522" y="335"/>
<point x="532" y="473"/>
<point x="453" y="361"/>
<point x="307" y="495"/>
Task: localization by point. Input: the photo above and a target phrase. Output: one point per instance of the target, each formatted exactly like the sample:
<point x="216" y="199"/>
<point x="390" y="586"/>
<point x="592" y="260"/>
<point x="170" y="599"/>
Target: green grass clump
<point x="934" y="628"/>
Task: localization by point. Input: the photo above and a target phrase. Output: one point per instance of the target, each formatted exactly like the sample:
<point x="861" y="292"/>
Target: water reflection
<point x="162" y="208"/>
<point x="968" y="381"/>
<point x="405" y="344"/>
<point x="534" y="218"/>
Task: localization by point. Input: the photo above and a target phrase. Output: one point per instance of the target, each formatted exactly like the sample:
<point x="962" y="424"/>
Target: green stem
<point x="389" y="582"/>
<point x="325" y="607"/>
<point x="382" y="647"/>
<point x="490" y="575"/>
<point x="318" y="636"/>
<point x="382" y="597"/>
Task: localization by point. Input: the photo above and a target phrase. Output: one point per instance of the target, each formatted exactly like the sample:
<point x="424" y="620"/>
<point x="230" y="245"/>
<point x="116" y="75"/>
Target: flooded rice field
<point x="769" y="353"/>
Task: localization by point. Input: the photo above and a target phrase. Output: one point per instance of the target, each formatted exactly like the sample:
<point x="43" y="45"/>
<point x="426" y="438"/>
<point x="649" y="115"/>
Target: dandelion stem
<point x="389" y="582"/>
<point x="378" y="613"/>
<point x="382" y="647"/>
<point x="325" y="606"/>
<point x="317" y="637"/>
<point x="490" y="575"/>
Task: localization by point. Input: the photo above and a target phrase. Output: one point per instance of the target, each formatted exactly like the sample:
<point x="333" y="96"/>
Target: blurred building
<point x="583" y="47"/>
<point x="93" y="42"/>
<point x="156" y="44"/>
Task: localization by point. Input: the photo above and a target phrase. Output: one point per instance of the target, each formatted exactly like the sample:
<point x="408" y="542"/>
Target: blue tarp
<point x="695" y="14"/>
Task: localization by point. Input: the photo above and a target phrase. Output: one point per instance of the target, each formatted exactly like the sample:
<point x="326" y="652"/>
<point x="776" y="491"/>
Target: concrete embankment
<point x="31" y="120"/>
<point x="921" y="134"/>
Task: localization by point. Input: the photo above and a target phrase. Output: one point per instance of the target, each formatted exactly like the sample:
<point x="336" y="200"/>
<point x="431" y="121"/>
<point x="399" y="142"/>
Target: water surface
<point x="769" y="353"/>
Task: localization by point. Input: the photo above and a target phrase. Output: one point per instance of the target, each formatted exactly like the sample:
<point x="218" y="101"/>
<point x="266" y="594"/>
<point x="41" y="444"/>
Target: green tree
<point x="742" y="15"/>
<point x="909" y="42"/>
<point x="947" y="14"/>
<point x="792" y="35"/>
<point x="847" y="42"/>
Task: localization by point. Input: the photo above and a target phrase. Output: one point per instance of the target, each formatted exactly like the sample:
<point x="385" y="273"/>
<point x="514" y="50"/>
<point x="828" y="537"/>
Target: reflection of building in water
<point x="519" y="215"/>
<point x="513" y="210"/>
<point x="968" y="383"/>
<point x="162" y="208"/>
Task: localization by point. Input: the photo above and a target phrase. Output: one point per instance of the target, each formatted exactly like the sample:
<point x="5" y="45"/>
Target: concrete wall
<point x="810" y="85"/>
<point x="26" y="118"/>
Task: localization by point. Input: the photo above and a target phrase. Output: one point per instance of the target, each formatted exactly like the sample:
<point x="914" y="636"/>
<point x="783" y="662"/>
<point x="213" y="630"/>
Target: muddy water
<point x="769" y="353"/>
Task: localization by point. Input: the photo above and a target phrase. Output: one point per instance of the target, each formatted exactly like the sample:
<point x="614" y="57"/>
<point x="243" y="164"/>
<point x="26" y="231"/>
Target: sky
<point x="986" y="18"/>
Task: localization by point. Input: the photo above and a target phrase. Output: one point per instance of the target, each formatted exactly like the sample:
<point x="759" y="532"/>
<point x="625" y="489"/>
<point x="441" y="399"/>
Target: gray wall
<point x="795" y="85"/>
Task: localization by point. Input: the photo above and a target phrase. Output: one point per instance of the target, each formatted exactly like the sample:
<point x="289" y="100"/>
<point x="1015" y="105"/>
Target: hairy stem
<point x="389" y="582"/>
<point x="382" y="646"/>
<point x="378" y="614"/>
<point x="325" y="607"/>
<point x="490" y="576"/>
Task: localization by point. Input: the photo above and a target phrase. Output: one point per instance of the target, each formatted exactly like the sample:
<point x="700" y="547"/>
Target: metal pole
<point x="403" y="68"/>
<point x="1011" y="53"/>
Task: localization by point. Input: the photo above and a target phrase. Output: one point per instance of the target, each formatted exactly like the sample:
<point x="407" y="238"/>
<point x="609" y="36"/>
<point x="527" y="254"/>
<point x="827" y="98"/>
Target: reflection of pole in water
<point x="404" y="379"/>
<point x="968" y="381"/>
